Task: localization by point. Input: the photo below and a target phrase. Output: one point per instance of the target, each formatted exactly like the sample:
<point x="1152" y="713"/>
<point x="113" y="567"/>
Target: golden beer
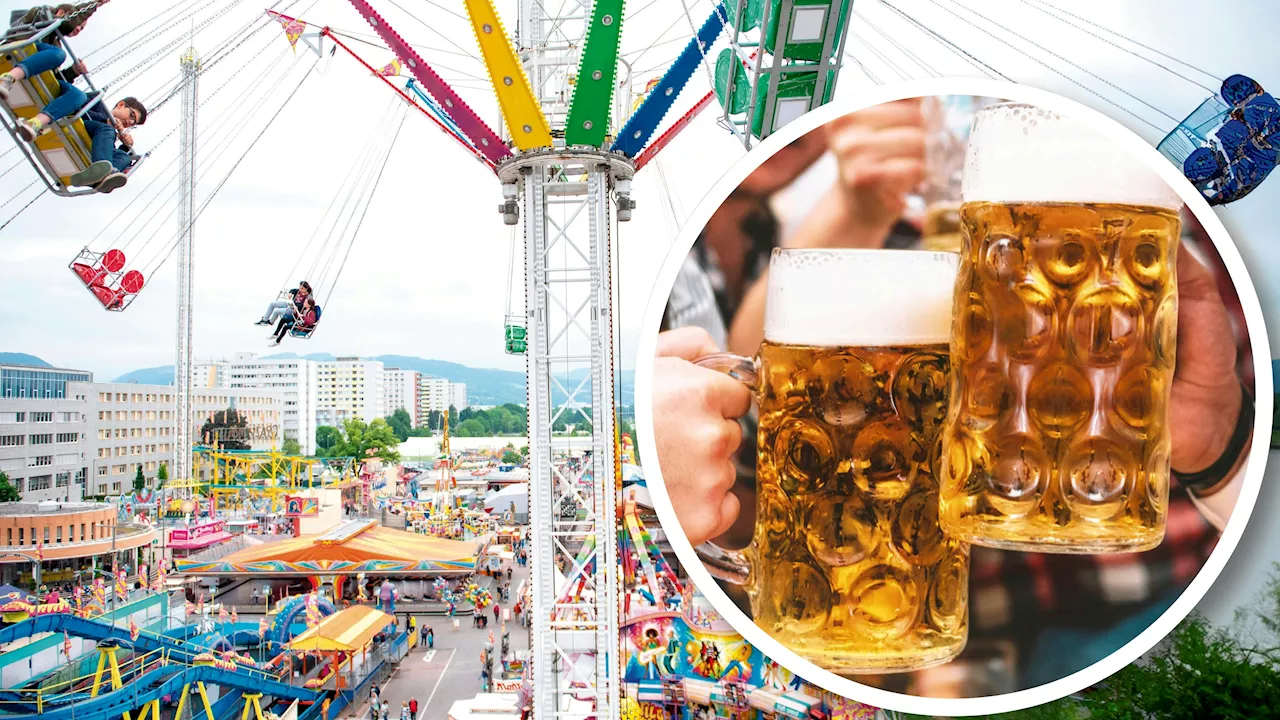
<point x="850" y="566"/>
<point x="1057" y="438"/>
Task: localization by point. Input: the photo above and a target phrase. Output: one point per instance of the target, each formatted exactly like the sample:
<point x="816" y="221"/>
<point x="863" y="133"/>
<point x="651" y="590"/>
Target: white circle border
<point x="1145" y="640"/>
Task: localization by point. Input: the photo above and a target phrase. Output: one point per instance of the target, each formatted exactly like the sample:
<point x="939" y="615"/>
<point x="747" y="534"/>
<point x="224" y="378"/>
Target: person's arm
<point x="880" y="155"/>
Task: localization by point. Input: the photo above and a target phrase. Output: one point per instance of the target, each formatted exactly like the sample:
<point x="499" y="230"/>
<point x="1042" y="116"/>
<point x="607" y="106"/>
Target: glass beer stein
<point x="848" y="565"/>
<point x="1057" y="439"/>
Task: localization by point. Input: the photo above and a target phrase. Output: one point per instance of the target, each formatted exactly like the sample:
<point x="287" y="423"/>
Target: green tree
<point x="360" y="441"/>
<point x="163" y="473"/>
<point x="401" y="424"/>
<point x="139" y="480"/>
<point x="511" y="456"/>
<point x="327" y="438"/>
<point x="291" y="447"/>
<point x="8" y="493"/>
<point x="435" y="420"/>
<point x="471" y="427"/>
<point x="221" y="430"/>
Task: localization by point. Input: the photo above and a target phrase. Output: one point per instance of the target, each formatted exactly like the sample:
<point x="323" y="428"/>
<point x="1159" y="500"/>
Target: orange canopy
<point x="345" y="550"/>
<point x="348" y="630"/>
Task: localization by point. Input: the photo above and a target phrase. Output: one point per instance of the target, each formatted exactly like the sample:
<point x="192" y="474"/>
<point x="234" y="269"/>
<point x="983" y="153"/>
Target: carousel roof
<point x="348" y="548"/>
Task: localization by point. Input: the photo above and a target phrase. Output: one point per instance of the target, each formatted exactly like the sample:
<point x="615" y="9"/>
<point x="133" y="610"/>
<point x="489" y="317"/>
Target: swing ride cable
<point x="446" y="37"/>
<point x="904" y="50"/>
<point x="206" y="67"/>
<point x="377" y="181"/>
<point x="24" y="207"/>
<point x="147" y="37"/>
<point x="369" y="40"/>
<point x="1047" y="66"/>
<point x="1135" y="42"/>
<point x="332" y="201"/>
<point x="222" y="183"/>
<point x="362" y="166"/>
<point x="956" y="49"/>
<point x="156" y="57"/>
<point x="355" y="193"/>
<point x="902" y="75"/>
<point x="1063" y="59"/>
<point x="865" y="70"/>
<point x="204" y="134"/>
<point x="152" y="33"/>
<point x="248" y="108"/>
<point x="252" y="111"/>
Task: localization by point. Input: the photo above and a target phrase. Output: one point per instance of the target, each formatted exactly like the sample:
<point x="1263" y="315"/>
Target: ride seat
<point x="29" y="97"/>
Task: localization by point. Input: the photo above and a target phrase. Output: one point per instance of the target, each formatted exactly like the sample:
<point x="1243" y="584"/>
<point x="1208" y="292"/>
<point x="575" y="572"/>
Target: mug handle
<point x="731" y="566"/>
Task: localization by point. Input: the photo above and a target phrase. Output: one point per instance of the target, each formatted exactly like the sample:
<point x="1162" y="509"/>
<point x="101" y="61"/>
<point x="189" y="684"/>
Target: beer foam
<point x="865" y="298"/>
<point x="1022" y="153"/>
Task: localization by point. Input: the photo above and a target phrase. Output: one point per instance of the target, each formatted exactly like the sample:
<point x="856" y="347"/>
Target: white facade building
<point x="212" y="374"/>
<point x="45" y="444"/>
<point x="458" y="395"/>
<point x="401" y="388"/>
<point x="295" y="378"/>
<point x="437" y="394"/>
<point x="349" y="388"/>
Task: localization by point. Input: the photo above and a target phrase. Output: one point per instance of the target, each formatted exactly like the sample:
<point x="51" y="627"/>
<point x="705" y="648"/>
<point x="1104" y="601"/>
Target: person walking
<point x="496" y="612"/>
<point x="431" y="637"/>
<point x="413" y="707"/>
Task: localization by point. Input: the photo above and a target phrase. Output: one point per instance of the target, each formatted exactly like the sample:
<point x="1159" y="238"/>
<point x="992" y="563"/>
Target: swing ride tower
<point x="186" y="234"/>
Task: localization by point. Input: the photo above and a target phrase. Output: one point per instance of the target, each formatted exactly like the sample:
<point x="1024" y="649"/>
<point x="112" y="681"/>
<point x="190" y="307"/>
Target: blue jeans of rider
<point x="104" y="144"/>
<point x="70" y="98"/>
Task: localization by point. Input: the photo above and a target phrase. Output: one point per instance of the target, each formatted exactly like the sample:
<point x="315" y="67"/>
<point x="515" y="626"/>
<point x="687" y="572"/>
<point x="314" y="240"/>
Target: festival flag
<point x="313" y="611"/>
<point x="144" y="576"/>
<point x="66" y="644"/>
<point x="222" y="612"/>
<point x="122" y="589"/>
<point x="200" y="604"/>
<point x="293" y="28"/>
<point x="234" y="617"/>
<point x="191" y="608"/>
<point x="39" y="550"/>
<point x="133" y="629"/>
<point x="391" y="69"/>
<point x="263" y="625"/>
<point x="77" y="595"/>
<point x="160" y="579"/>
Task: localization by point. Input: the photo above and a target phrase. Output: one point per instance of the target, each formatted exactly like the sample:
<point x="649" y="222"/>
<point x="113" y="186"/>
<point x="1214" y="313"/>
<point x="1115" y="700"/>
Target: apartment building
<point x="401" y="388"/>
<point x="349" y="388"/>
<point x="44" y="444"/>
<point x="294" y="378"/>
<point x="438" y="394"/>
<point x="212" y="374"/>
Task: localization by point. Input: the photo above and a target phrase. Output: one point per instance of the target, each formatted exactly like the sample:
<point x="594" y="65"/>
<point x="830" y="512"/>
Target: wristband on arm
<point x="1206" y="480"/>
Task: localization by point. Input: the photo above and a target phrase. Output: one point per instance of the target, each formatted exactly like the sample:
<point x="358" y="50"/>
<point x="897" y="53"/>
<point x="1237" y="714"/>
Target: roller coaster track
<point x="480" y="134"/>
<point x="640" y="127"/>
<point x="97" y="631"/>
<point x="593" y="92"/>
<point x="525" y="121"/>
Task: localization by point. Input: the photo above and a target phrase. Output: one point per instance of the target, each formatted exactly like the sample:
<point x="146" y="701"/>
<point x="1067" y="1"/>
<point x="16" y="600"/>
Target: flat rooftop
<point x="48" y="507"/>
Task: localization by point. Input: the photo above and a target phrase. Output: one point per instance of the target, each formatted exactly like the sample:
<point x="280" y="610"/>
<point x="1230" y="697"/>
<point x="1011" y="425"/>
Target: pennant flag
<point x="293" y="28"/>
<point x="222" y="612"/>
<point x="39" y="550"/>
<point x="391" y="69"/>
<point x="144" y="577"/>
<point x="234" y="618"/>
<point x="122" y="589"/>
<point x="160" y="579"/>
<point x="133" y="629"/>
<point x="191" y="608"/>
<point x="200" y="604"/>
<point x="66" y="644"/>
<point x="263" y="625"/>
<point x="77" y="594"/>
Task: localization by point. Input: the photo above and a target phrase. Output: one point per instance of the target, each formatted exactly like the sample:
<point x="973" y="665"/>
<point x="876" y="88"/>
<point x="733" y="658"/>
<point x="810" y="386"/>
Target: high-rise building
<point x="349" y="388"/>
<point x="401" y="388"/>
<point x="296" y="378"/>
<point x="458" y="395"/>
<point x="44" y="432"/>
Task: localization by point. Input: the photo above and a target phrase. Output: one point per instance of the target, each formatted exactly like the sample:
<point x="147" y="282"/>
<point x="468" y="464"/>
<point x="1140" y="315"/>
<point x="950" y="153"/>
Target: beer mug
<point x="1063" y="349"/>
<point x="848" y="565"/>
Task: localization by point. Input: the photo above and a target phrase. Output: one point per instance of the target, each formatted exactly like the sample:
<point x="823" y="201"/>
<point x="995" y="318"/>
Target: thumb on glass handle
<point x="730" y="566"/>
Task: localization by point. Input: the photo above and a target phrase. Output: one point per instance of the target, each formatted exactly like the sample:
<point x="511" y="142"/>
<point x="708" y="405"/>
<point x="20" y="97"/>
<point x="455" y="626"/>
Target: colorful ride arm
<point x="480" y="134"/>
<point x="528" y="126"/>
<point x="637" y="131"/>
<point x="589" y="110"/>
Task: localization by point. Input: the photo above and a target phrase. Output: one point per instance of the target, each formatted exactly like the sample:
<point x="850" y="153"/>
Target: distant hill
<point x="162" y="375"/>
<point x="485" y="386"/>
<point x="17" y="358"/>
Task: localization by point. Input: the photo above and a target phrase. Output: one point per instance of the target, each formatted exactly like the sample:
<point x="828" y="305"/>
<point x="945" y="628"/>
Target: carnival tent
<point x="349" y="630"/>
<point x="352" y="547"/>
<point x="501" y="501"/>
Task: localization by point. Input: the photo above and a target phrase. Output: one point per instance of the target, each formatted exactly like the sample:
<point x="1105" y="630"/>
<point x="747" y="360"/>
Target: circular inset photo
<point x="951" y="398"/>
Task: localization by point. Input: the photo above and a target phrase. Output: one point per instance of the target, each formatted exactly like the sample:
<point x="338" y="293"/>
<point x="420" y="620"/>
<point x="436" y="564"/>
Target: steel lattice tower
<point x="186" y="233"/>
<point x="565" y="199"/>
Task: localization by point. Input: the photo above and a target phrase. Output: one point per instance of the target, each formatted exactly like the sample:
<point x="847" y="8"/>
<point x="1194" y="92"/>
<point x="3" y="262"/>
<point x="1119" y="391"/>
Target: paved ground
<point x="450" y="672"/>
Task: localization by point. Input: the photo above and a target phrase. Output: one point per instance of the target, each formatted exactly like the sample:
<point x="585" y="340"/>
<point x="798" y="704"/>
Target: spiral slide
<point x="97" y="631"/>
<point x="169" y="681"/>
